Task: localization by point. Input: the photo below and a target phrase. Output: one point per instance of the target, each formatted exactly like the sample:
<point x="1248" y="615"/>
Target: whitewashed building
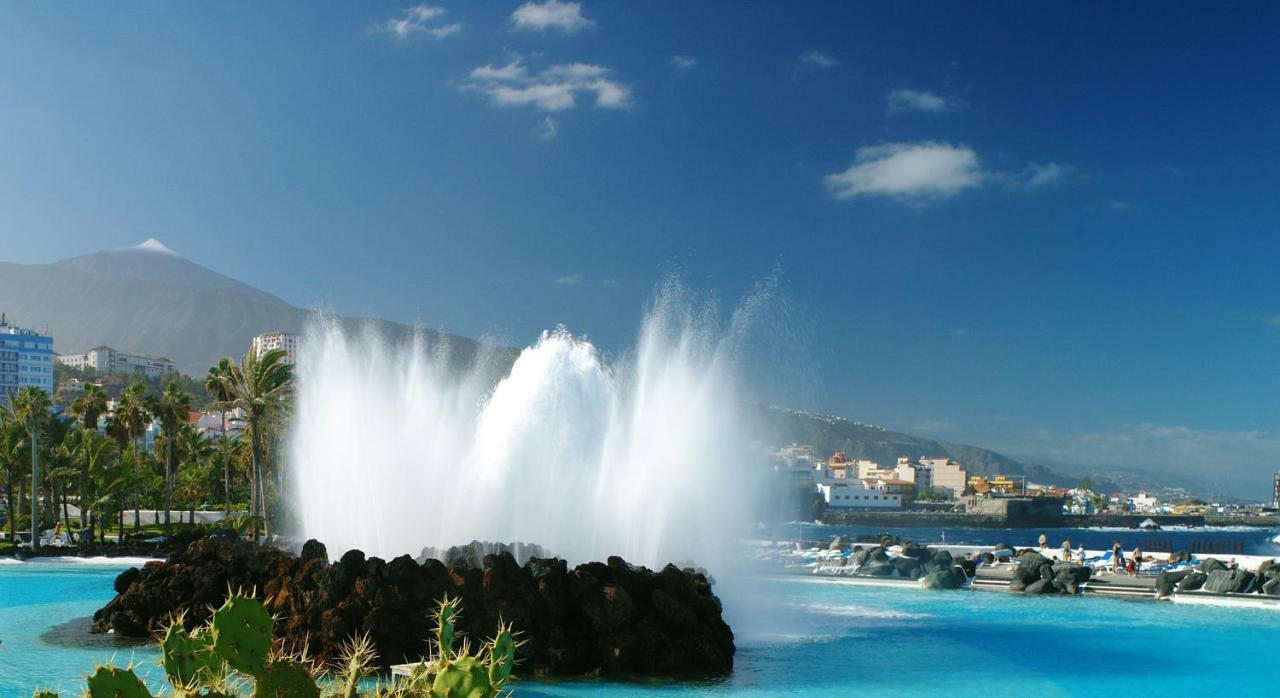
<point x="858" y="494"/>
<point x="104" y="359"/>
<point x="1144" y="503"/>
<point x="285" y="341"/>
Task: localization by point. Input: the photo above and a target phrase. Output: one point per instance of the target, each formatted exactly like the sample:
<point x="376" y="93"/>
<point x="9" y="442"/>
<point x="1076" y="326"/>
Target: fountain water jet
<point x="645" y="457"/>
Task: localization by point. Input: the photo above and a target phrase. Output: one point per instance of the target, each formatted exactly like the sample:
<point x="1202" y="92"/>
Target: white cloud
<point x="569" y="280"/>
<point x="917" y="100"/>
<point x="547" y="128"/>
<point x="421" y="19"/>
<point x="1039" y="175"/>
<point x="554" y="89"/>
<point x="552" y="14"/>
<point x="819" y="59"/>
<point x="683" y="63"/>
<point x="909" y="171"/>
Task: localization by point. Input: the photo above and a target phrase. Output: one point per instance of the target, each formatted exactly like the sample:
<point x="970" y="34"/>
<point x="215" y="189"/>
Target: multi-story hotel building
<point x="286" y="341"/>
<point x="26" y="359"/>
<point x="107" y="360"/>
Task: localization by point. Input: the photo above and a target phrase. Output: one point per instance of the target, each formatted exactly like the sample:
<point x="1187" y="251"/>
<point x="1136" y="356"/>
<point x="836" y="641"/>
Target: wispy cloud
<point x="908" y="171"/>
<point x="547" y="128"/>
<point x="555" y="88"/>
<point x="580" y="280"/>
<point x="552" y="14"/>
<point x="929" y="170"/>
<point x="818" y="59"/>
<point x="1273" y="320"/>
<point x="682" y="63"/>
<point x="421" y="19"/>
<point x="904" y="100"/>
<point x="1040" y="175"/>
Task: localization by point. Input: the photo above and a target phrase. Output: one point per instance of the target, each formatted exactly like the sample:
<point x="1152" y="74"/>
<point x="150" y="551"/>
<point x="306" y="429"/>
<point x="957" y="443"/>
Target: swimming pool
<point x="797" y="635"/>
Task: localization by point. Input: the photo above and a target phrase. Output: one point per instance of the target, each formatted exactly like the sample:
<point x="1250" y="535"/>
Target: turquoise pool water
<point x="804" y="636"/>
<point x="37" y="649"/>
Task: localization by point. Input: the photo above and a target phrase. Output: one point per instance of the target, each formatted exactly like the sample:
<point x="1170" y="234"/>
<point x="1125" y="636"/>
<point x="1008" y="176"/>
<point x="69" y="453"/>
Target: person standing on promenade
<point x="1044" y="541"/>
<point x="1117" y="556"/>
<point x="1066" y="550"/>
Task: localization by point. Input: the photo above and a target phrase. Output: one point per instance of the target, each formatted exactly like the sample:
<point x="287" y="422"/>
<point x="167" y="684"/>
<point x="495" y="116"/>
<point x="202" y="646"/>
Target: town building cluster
<point x="27" y="358"/>
<point x="865" y="484"/>
<point x="859" y="484"/>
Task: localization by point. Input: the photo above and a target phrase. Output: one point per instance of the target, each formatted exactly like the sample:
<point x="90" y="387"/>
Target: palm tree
<point x="12" y="442"/>
<point x="90" y="407"/>
<point x="31" y="406"/>
<point x="130" y="417"/>
<point x="218" y="384"/>
<point x="172" y="408"/>
<point x="96" y="454"/>
<point x="196" y="452"/>
<point x="260" y="388"/>
<point x="231" y="460"/>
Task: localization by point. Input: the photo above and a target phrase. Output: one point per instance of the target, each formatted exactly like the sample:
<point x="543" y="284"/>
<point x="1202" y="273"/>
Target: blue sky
<point x="1051" y="229"/>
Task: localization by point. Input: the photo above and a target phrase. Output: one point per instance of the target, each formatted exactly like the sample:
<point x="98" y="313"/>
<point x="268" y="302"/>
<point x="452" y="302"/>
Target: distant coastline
<point x="930" y="519"/>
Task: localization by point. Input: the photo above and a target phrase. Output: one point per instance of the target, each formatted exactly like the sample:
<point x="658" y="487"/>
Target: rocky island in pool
<point x="597" y="619"/>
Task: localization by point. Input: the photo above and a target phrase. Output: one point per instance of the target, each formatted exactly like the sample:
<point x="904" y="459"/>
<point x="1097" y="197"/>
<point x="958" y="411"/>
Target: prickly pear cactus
<point x="465" y="677"/>
<point x="502" y="657"/>
<point x="241" y="630"/>
<point x="445" y="626"/>
<point x="286" y="679"/>
<point x="44" y="694"/>
<point x="188" y="657"/>
<point x="114" y="682"/>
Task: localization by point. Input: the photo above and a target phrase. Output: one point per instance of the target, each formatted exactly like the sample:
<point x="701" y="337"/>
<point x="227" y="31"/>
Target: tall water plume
<point x="395" y="448"/>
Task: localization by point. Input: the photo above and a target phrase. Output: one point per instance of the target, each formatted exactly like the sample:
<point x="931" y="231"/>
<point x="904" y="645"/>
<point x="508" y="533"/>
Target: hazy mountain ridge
<point x="150" y="300"/>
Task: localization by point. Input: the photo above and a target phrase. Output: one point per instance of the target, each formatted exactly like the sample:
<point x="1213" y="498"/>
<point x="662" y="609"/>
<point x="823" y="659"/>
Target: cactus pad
<point x="502" y="653"/>
<point x="44" y="694"/>
<point x="188" y="657"/>
<point x="465" y="677"/>
<point x="445" y="626"/>
<point x="241" y="630"/>
<point x="113" y="682"/>
<point x="286" y="679"/>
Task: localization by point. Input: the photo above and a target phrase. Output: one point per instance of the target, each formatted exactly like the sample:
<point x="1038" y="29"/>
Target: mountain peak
<point x="155" y="246"/>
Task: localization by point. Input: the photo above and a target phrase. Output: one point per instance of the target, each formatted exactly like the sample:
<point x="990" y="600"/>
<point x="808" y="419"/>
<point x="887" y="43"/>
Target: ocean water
<point x="798" y="636"/>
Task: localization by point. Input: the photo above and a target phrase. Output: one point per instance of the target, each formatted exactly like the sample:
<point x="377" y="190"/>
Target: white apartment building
<point x="857" y="494"/>
<point x="26" y="359"/>
<point x="104" y="359"/>
<point x="795" y="463"/>
<point x="946" y="474"/>
<point x="1144" y="503"/>
<point x="286" y="341"/>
